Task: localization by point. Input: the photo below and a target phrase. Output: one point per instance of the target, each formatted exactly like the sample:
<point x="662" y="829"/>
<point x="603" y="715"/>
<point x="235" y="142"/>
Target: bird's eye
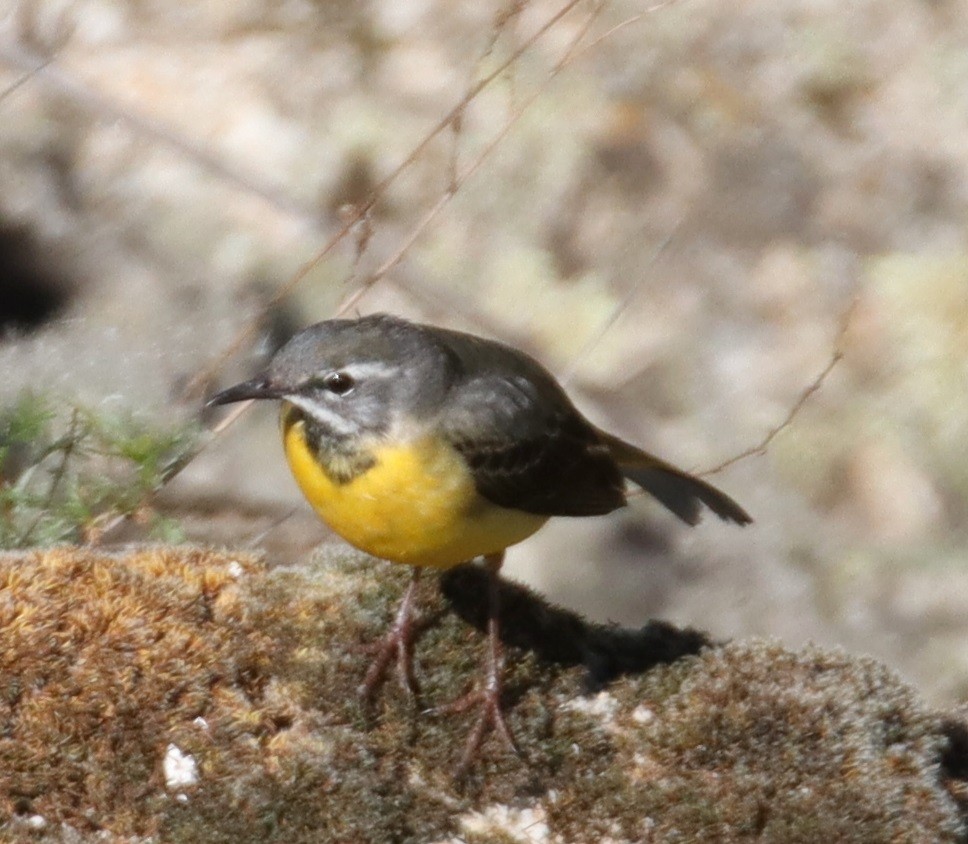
<point x="339" y="383"/>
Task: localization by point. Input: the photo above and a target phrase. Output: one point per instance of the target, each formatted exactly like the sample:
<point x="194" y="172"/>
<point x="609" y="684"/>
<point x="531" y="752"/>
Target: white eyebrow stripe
<point x="368" y="369"/>
<point x="333" y="421"/>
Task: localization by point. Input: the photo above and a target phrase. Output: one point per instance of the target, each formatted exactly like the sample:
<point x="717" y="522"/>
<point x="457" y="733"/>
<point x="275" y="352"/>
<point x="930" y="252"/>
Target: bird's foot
<point x="490" y="716"/>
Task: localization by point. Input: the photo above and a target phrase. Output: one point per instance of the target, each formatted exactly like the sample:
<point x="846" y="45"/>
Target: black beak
<point x="257" y="388"/>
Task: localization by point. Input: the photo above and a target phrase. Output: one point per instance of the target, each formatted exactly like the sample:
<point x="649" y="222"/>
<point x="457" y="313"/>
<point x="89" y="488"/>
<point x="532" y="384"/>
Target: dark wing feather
<point x="525" y="443"/>
<point x="530" y="449"/>
<point x="560" y="472"/>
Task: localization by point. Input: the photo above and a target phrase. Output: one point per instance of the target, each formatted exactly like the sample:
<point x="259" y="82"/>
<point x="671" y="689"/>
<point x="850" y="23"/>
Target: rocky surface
<point x="165" y="167"/>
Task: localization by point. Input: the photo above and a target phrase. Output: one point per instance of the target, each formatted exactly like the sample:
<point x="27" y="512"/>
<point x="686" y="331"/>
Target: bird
<point x="432" y="447"/>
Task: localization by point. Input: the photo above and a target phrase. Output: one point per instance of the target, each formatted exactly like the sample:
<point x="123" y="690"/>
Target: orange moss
<point x="107" y="659"/>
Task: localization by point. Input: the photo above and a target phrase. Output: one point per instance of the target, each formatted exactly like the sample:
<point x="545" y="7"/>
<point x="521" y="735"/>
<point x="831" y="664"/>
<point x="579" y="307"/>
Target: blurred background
<point x="688" y="212"/>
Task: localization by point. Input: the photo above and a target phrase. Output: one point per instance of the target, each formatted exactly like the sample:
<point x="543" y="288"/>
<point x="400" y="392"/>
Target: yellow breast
<point x="416" y="504"/>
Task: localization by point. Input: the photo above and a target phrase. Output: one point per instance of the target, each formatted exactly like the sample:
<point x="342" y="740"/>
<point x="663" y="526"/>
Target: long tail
<point x="681" y="492"/>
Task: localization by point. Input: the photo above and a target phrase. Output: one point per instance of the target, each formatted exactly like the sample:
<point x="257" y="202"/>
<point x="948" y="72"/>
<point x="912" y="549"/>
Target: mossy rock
<point x="109" y="660"/>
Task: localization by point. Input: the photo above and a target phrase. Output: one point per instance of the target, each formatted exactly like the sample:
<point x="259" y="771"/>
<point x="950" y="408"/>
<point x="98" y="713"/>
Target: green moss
<point x="62" y="474"/>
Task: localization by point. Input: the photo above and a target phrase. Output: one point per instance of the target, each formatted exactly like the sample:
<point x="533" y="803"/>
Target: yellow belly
<point x="417" y="504"/>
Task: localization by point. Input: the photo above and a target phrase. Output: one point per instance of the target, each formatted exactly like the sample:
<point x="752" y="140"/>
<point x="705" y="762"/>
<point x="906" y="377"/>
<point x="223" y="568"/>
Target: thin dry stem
<point x="655" y="7"/>
<point x="24" y="77"/>
<point x="391" y="262"/>
<point x="620" y="307"/>
<point x="761" y="447"/>
<point x="197" y="384"/>
<point x="69" y="445"/>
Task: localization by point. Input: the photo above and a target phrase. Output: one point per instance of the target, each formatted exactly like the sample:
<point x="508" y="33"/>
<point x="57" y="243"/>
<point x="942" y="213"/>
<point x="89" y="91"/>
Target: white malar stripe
<point x="326" y="416"/>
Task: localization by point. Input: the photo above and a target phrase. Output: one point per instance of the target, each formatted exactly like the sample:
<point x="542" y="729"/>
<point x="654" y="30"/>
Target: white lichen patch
<point x="602" y="706"/>
<point x="528" y="825"/>
<point x="643" y="715"/>
<point x="181" y="769"/>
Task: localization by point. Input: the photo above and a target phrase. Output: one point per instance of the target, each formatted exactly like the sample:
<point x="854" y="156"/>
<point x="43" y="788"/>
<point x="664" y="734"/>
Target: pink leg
<point x="398" y="643"/>
<point x="487" y="697"/>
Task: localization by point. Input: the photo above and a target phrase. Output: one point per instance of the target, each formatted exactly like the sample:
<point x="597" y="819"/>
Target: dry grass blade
<point x="761" y="447"/>
<point x="24" y="77"/>
<point x="194" y="388"/>
<point x="197" y="384"/>
<point x="569" y="55"/>
<point x="619" y="308"/>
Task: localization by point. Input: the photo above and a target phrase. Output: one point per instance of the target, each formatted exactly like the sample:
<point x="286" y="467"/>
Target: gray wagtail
<point x="432" y="447"/>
